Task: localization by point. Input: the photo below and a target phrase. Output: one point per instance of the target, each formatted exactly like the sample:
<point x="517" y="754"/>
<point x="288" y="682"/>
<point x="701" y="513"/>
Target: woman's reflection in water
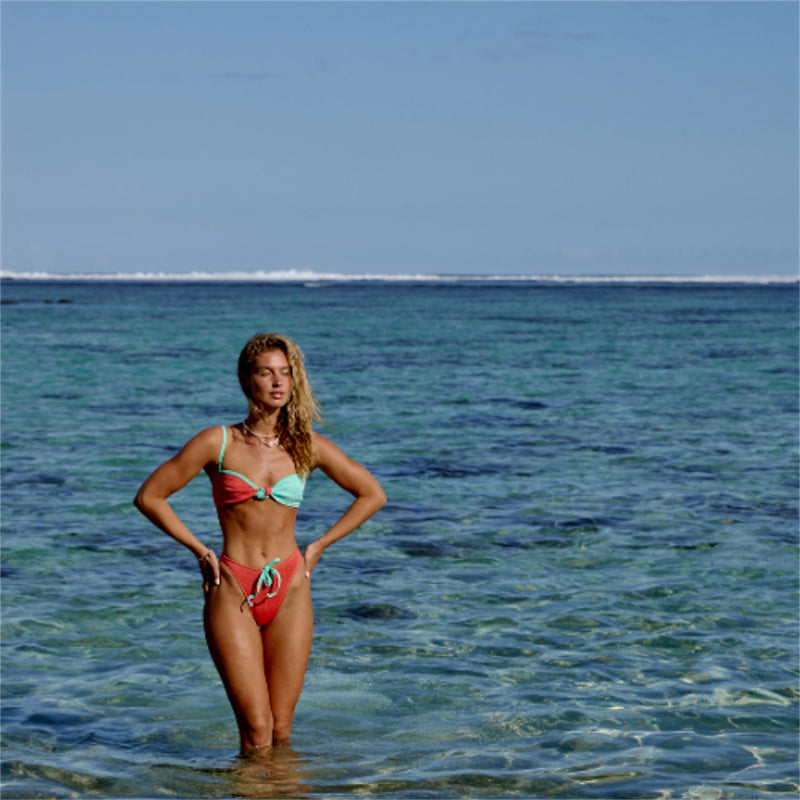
<point x="277" y="772"/>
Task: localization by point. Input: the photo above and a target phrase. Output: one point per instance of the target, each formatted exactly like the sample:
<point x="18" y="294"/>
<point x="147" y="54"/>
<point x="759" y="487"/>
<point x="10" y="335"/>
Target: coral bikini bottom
<point x="264" y="589"/>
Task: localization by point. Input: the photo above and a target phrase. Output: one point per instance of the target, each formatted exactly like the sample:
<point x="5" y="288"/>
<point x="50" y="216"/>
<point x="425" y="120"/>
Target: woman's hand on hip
<point x="311" y="558"/>
<point x="209" y="567"/>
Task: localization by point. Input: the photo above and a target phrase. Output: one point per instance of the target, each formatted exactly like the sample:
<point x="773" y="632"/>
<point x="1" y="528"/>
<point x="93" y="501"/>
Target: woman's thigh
<point x="286" y="647"/>
<point x="235" y="644"/>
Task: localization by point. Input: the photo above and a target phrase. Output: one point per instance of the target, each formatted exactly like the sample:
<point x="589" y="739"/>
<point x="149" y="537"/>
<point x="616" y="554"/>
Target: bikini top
<point x="229" y="487"/>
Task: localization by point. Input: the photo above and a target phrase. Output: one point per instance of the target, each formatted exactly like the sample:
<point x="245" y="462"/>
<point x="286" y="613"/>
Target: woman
<point x="258" y="614"/>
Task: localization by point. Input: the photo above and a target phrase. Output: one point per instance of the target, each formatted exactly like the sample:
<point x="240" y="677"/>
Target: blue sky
<point x="519" y="138"/>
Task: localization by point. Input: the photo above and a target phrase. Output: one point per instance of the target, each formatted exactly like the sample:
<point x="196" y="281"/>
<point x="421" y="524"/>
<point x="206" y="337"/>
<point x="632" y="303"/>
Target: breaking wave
<point x="311" y="277"/>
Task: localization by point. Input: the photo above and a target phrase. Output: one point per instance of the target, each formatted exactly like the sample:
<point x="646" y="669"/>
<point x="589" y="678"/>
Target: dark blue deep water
<point x="584" y="584"/>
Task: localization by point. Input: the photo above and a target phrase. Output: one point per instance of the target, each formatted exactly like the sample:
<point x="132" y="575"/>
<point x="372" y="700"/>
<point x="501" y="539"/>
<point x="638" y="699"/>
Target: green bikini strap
<point x="222" y="449"/>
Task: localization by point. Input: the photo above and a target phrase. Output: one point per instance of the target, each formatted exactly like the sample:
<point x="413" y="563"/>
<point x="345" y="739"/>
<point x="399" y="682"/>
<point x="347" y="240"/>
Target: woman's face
<point x="271" y="380"/>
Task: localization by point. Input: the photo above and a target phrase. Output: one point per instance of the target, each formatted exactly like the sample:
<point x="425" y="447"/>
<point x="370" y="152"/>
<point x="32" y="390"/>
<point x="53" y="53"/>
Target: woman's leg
<point x="236" y="647"/>
<point x="286" y="648"/>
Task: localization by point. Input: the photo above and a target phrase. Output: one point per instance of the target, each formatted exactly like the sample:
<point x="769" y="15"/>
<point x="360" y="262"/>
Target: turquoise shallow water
<point x="584" y="584"/>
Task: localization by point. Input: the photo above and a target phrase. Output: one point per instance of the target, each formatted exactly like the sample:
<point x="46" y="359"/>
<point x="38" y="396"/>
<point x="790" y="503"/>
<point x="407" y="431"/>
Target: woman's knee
<point x="257" y="730"/>
<point x="282" y="729"/>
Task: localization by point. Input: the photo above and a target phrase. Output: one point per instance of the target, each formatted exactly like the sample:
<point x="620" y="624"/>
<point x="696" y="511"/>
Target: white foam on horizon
<point x="310" y="277"/>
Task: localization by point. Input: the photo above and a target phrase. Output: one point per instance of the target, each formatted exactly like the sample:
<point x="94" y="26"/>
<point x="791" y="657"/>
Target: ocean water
<point x="584" y="584"/>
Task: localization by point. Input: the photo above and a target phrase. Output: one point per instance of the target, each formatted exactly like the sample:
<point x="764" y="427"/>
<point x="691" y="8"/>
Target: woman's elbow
<point x="143" y="500"/>
<point x="371" y="499"/>
<point x="139" y="501"/>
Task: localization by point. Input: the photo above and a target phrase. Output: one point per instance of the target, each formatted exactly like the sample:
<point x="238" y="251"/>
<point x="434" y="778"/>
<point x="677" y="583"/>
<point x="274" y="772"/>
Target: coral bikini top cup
<point x="229" y="487"/>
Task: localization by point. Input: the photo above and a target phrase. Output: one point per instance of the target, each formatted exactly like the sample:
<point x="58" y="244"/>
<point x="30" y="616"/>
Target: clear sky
<point x="510" y="138"/>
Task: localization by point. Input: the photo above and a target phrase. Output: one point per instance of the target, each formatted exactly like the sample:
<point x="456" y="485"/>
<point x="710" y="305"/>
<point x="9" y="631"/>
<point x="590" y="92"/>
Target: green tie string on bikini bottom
<point x="265" y="581"/>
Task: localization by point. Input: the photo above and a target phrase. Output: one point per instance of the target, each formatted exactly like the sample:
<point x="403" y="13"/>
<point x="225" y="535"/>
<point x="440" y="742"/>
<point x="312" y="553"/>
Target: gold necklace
<point x="268" y="439"/>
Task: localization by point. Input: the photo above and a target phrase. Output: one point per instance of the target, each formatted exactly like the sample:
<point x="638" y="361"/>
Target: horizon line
<point x="309" y="276"/>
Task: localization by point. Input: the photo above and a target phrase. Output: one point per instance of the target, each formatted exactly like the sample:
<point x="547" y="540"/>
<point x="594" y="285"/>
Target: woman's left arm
<point x="357" y="480"/>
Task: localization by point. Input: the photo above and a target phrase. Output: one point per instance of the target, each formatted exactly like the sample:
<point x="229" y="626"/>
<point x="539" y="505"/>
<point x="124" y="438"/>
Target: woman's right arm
<point x="172" y="475"/>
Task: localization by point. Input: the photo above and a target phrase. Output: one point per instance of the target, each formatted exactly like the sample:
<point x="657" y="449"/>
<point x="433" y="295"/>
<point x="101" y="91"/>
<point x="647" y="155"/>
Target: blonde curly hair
<point x="295" y="419"/>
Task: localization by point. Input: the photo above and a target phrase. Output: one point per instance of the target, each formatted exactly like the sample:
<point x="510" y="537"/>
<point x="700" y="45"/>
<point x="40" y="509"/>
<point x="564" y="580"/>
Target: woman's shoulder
<point x="207" y="441"/>
<point x="321" y="441"/>
<point x="318" y="437"/>
<point x="326" y="449"/>
<point x="214" y="433"/>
